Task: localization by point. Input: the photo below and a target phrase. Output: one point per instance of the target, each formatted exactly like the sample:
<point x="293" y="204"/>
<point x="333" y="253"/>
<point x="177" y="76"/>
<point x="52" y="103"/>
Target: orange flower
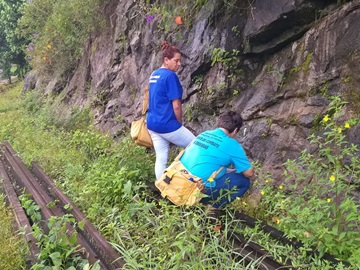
<point x="178" y="20"/>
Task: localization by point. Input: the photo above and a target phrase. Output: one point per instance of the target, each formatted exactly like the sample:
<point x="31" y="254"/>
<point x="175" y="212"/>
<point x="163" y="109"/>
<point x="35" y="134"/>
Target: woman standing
<point x="164" y="118"/>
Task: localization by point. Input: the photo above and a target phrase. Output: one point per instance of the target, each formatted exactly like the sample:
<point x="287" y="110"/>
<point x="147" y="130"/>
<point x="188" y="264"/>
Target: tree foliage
<point x="12" y="57"/>
<point x="58" y="30"/>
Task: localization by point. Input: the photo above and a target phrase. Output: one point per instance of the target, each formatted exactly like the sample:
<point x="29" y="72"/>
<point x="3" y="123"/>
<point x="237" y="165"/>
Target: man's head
<point x="231" y="121"/>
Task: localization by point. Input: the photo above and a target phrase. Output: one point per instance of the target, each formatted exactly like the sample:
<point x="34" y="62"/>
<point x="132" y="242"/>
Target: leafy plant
<point x="317" y="201"/>
<point x="58" y="30"/>
<point x="32" y="209"/>
<point x="58" y="249"/>
<point x="12" y="57"/>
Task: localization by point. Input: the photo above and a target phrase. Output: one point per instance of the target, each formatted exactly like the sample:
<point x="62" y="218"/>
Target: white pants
<point x="180" y="137"/>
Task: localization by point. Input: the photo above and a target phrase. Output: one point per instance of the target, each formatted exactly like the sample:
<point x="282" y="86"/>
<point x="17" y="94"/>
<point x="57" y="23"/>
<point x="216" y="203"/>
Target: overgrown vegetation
<point x="318" y="202"/>
<point x="13" y="250"/>
<point x="12" y="57"/>
<point x="58" y="30"/>
<point x="58" y="249"/>
<point x="107" y="179"/>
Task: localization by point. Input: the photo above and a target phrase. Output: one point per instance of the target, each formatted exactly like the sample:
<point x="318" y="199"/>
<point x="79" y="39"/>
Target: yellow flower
<point x="328" y="200"/>
<point x="280" y="187"/>
<point x="347" y="125"/>
<point x="262" y="192"/>
<point x="44" y="58"/>
<point x="339" y="130"/>
<point x="332" y="178"/>
<point x="244" y="203"/>
<point x="277" y="220"/>
<point x="326" y="118"/>
<point x="282" y="201"/>
<point x="48" y="47"/>
<point x="210" y="179"/>
<point x="266" y="181"/>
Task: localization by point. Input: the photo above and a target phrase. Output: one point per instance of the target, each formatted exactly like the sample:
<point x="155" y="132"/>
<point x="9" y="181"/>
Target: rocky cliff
<point x="275" y="61"/>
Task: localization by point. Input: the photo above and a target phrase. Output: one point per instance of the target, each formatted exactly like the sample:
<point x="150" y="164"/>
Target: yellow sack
<point x="178" y="185"/>
<point x="175" y="185"/>
<point x="140" y="134"/>
<point x="138" y="131"/>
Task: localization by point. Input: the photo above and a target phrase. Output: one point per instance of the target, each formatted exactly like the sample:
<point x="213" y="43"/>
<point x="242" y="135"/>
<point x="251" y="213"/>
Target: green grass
<point x="13" y="250"/>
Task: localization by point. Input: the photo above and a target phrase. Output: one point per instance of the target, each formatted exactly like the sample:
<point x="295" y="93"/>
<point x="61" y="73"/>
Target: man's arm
<point x="176" y="103"/>
<point x="248" y="173"/>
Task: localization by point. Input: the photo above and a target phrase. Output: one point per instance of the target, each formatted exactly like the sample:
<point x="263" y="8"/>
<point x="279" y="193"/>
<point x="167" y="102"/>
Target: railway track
<point x="17" y="177"/>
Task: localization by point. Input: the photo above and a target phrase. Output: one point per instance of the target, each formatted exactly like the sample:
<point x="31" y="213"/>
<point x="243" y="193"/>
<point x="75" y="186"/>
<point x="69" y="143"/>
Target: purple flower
<point x="30" y="47"/>
<point x="35" y="35"/>
<point x="150" y="18"/>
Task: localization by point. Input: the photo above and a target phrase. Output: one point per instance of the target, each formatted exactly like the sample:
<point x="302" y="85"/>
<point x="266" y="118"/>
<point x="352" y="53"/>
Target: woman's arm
<point x="176" y="103"/>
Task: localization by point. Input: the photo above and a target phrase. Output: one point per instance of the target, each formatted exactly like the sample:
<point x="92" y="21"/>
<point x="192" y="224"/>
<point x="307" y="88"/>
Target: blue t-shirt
<point x="210" y="151"/>
<point x="164" y="86"/>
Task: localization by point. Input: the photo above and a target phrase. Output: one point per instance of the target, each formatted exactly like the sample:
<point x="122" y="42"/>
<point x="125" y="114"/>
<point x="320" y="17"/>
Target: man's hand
<point x="248" y="173"/>
<point x="200" y="186"/>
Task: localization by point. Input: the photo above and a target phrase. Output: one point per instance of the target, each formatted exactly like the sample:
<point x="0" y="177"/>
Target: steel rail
<point x="279" y="235"/>
<point x="19" y="215"/>
<point x="24" y="178"/>
<point x="96" y="240"/>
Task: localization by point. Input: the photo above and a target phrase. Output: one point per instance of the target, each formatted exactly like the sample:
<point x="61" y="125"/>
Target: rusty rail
<point x="43" y="192"/>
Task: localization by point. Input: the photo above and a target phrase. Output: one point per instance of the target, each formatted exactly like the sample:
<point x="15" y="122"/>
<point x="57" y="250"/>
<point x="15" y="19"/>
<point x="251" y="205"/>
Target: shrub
<point x="317" y="201"/>
<point x="58" y="30"/>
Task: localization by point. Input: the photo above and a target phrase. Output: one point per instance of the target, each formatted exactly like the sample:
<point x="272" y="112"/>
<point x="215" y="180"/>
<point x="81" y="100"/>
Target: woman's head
<point x="230" y="121"/>
<point x="171" y="56"/>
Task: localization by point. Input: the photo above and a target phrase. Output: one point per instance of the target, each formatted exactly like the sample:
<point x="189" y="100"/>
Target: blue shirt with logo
<point x="164" y="86"/>
<point x="210" y="151"/>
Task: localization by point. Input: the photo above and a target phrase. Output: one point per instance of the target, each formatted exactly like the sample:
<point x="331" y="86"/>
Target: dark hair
<point x="230" y="121"/>
<point x="168" y="50"/>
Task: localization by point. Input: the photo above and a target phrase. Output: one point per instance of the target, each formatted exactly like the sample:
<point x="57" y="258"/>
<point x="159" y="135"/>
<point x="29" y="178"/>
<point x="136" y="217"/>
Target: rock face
<point x="278" y="63"/>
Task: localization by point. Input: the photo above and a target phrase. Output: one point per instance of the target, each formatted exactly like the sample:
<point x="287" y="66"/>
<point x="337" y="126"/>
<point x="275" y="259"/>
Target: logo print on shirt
<point x="153" y="79"/>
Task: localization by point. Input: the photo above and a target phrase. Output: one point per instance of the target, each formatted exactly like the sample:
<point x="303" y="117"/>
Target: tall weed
<point x="13" y="250"/>
<point x="318" y="202"/>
